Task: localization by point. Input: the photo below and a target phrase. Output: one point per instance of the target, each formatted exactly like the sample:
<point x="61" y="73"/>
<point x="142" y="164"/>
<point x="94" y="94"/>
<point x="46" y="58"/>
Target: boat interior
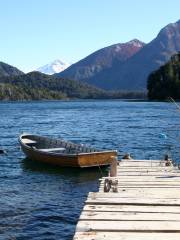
<point x="55" y="146"/>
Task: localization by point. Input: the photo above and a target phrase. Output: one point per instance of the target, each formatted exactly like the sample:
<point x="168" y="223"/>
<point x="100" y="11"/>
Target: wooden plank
<point x="141" y="163"/>
<point x="135" y="201"/>
<point x="147" y="163"/>
<point x="137" y="191"/>
<point x="131" y="208"/>
<point x="140" y="160"/>
<point x="52" y="149"/>
<point x="132" y="216"/>
<point x="155" y="174"/>
<point x="145" y="187"/>
<point x="139" y="184"/>
<point x="153" y="166"/>
<point x="140" y="193"/>
<point x="146" y="181"/>
<point x="139" y="226"/>
<point x="28" y="141"/>
<point x="125" y="194"/>
<point x="158" y="168"/>
<point x="150" y="186"/>
<point x="143" y="179"/>
<point x="147" y="173"/>
<point x="146" y="166"/>
<point x="149" y="170"/>
<point x="93" y="235"/>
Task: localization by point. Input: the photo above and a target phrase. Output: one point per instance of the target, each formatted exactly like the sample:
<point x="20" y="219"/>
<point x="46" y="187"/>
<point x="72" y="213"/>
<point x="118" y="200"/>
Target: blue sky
<point x="35" y="32"/>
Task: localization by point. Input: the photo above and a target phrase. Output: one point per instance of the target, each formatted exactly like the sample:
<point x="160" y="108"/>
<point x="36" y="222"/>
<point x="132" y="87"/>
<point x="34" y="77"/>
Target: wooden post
<point x="113" y="167"/>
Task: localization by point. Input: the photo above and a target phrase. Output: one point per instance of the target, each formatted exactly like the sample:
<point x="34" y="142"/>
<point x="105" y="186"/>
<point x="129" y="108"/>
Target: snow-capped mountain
<point x="56" y="66"/>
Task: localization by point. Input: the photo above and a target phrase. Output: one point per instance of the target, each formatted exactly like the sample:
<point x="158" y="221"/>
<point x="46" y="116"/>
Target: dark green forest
<point x="39" y="86"/>
<point x="165" y="82"/>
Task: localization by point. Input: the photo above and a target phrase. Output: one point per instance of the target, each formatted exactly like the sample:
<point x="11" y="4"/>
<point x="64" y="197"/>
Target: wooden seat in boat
<point x="52" y="149"/>
<point x="28" y="141"/>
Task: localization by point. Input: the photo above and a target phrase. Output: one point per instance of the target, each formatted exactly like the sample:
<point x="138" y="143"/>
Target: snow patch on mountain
<point x="136" y="43"/>
<point x="56" y="66"/>
<point x="118" y="48"/>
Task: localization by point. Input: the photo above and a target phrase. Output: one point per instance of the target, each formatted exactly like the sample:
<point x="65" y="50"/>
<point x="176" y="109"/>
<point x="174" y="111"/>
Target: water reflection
<point x="80" y="174"/>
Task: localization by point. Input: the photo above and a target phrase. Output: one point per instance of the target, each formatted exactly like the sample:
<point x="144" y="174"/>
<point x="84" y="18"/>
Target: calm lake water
<point x="42" y="202"/>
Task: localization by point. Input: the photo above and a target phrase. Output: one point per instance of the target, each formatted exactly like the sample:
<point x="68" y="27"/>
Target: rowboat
<point x="62" y="153"/>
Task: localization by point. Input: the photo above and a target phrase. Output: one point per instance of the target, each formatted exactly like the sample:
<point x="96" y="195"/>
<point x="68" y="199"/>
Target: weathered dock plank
<point x="124" y="216"/>
<point x="141" y="193"/>
<point x="135" y="201"/>
<point x="130" y="226"/>
<point x="146" y="206"/>
<point x="132" y="208"/>
<point x="93" y="235"/>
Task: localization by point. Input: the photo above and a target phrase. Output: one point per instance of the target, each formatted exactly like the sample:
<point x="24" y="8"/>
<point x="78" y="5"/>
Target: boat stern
<point x="96" y="159"/>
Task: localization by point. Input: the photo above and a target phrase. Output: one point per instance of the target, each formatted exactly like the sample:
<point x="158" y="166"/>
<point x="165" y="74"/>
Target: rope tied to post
<point x="110" y="183"/>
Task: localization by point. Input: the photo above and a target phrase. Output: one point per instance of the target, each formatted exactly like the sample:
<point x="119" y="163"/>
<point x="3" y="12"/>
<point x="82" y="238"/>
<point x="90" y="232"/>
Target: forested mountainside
<point x="37" y="86"/>
<point x="165" y="82"/>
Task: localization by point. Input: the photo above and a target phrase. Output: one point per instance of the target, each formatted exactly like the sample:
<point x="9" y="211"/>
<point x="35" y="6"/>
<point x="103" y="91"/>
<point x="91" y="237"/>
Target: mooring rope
<point x="173" y="101"/>
<point x="100" y="170"/>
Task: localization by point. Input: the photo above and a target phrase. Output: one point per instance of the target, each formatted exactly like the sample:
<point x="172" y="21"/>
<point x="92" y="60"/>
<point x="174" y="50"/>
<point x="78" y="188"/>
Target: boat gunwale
<point x="61" y="154"/>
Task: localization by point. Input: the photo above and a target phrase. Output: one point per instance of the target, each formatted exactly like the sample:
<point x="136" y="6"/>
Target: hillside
<point x="131" y="73"/>
<point x="38" y="86"/>
<point x="89" y="67"/>
<point x="165" y="82"/>
<point x="10" y="92"/>
<point x="8" y="70"/>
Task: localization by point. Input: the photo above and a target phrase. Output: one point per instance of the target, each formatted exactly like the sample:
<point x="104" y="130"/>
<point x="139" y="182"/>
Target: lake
<point x="42" y="202"/>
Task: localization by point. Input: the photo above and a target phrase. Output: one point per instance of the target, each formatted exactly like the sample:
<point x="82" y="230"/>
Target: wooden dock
<point x="146" y="206"/>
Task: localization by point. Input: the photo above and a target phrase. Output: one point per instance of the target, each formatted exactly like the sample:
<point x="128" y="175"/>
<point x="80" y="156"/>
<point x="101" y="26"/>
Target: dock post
<point x="113" y="167"/>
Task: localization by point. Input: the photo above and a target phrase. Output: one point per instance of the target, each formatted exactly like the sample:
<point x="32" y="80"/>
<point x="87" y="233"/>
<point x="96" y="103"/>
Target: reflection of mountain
<point x="74" y="174"/>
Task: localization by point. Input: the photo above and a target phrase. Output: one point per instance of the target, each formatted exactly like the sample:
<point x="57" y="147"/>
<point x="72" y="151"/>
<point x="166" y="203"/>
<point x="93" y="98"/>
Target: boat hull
<point x="81" y="160"/>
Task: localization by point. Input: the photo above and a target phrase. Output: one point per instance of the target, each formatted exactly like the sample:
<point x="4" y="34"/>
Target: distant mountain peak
<point x="102" y="59"/>
<point x="170" y="30"/>
<point x="8" y="70"/>
<point x="135" y="42"/>
<point x="127" y="65"/>
<point x="56" y="66"/>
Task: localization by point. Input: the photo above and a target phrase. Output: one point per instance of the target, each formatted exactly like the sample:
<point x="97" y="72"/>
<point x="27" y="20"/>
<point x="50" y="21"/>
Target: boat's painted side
<point x="96" y="159"/>
<point x="88" y="159"/>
